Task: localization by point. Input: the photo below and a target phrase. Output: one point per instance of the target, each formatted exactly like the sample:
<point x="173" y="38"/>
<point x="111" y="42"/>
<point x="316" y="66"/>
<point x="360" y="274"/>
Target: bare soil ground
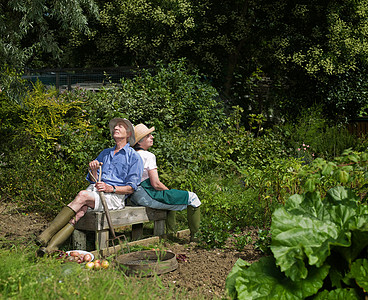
<point x="202" y="273"/>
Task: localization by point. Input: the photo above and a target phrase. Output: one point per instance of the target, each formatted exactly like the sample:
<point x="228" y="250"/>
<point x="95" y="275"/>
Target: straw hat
<point x="113" y="123"/>
<point x="141" y="131"/>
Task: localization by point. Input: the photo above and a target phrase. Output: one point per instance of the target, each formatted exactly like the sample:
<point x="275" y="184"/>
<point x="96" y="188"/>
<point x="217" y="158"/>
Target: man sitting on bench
<point x="122" y="169"/>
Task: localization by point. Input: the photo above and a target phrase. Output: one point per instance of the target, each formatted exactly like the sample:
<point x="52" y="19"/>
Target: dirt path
<point x="203" y="273"/>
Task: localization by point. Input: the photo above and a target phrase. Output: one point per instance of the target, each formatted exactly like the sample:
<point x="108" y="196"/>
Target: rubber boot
<point x="194" y="220"/>
<point x="59" y="222"/>
<point x="171" y="224"/>
<point x="58" y="239"/>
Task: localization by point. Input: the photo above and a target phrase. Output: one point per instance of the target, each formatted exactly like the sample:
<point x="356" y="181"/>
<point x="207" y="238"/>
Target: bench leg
<point x="137" y="231"/>
<point x="102" y="237"/>
<point x="159" y="227"/>
<point x="79" y="240"/>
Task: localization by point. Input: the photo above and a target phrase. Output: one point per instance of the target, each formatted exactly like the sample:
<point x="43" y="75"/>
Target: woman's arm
<point x="155" y="180"/>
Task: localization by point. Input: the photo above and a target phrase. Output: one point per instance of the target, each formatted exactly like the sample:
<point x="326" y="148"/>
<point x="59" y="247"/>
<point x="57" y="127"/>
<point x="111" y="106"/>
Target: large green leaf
<point x="359" y="241"/>
<point x="305" y="230"/>
<point x="263" y="280"/>
<point x="309" y="204"/>
<point x="233" y="275"/>
<point x="359" y="271"/>
<point x="338" y="294"/>
<point x="341" y="195"/>
<point x="311" y="239"/>
<point x="296" y="238"/>
<point x="355" y="221"/>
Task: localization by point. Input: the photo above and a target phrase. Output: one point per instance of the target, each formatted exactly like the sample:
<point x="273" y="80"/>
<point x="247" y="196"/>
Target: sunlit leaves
<point x="29" y="27"/>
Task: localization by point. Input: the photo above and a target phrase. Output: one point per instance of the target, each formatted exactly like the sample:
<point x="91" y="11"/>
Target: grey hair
<point x="137" y="146"/>
<point x="125" y="126"/>
<point x="141" y="140"/>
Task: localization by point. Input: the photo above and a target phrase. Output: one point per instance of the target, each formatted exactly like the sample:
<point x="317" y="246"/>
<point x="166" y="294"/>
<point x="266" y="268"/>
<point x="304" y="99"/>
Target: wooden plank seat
<point x="130" y="215"/>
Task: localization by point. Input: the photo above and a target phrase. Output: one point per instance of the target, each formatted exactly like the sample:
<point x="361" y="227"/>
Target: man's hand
<point x="94" y="165"/>
<point x="103" y="187"/>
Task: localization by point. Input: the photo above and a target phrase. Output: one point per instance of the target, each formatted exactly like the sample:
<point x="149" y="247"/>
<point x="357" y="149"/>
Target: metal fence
<point x="71" y="78"/>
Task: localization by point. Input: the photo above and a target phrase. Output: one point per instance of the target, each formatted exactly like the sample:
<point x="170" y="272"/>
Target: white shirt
<point x="149" y="162"/>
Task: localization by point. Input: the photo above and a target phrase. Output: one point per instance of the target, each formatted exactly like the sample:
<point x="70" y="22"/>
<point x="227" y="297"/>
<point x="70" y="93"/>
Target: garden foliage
<point x="64" y="131"/>
<point x="319" y="248"/>
<point x="312" y="135"/>
<point x="241" y="171"/>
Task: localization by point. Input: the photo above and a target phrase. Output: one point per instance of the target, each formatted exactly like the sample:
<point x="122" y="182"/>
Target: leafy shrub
<point x="275" y="181"/>
<point x="226" y="198"/>
<point x="173" y="97"/>
<point x="349" y="169"/>
<point x="214" y="231"/>
<point x="318" y="247"/>
<point x="263" y="241"/>
<point x="13" y="87"/>
<point x="166" y="96"/>
<point x="61" y="125"/>
<point x="10" y="124"/>
<point x="313" y="129"/>
<point x="46" y="171"/>
<point x="43" y="187"/>
<point x="242" y="240"/>
<point x="181" y="154"/>
<point x="47" y="111"/>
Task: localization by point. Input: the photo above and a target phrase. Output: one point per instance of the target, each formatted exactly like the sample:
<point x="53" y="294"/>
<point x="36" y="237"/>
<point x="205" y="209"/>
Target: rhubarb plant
<point x="319" y="251"/>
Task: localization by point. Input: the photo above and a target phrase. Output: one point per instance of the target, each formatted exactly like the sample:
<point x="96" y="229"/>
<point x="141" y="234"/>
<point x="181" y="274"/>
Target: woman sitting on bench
<point x="154" y="194"/>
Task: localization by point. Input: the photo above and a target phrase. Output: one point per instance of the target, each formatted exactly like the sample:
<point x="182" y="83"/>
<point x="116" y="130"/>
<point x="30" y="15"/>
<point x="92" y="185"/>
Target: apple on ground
<point x="105" y="264"/>
<point x="90" y="265"/>
<point x="97" y="265"/>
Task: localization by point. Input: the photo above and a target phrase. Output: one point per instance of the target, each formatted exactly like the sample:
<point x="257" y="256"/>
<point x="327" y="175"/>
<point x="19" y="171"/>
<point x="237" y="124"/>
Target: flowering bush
<point x="305" y="153"/>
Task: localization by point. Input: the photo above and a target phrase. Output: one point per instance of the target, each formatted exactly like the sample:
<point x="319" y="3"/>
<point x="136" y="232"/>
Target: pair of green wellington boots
<point x="194" y="220"/>
<point x="57" y="232"/>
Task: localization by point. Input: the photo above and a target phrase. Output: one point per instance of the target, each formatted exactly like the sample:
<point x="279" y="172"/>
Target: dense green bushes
<point x="313" y="135"/>
<point x="240" y="173"/>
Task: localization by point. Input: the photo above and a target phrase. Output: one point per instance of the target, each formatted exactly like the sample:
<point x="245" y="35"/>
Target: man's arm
<point x="127" y="189"/>
<point x="104" y="187"/>
<point x="131" y="181"/>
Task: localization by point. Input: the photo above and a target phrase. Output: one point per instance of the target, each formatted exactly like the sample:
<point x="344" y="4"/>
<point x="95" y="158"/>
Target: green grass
<point x="23" y="276"/>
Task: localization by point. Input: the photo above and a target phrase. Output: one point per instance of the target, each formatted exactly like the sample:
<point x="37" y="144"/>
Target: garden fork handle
<point x="104" y="204"/>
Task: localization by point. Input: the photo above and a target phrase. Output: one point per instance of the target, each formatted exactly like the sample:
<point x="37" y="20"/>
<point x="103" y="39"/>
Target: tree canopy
<point x="267" y="56"/>
<point x="34" y="32"/>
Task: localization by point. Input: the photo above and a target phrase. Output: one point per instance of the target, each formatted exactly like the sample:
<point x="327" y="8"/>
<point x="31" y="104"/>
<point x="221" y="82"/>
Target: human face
<point x="147" y="142"/>
<point x="121" y="131"/>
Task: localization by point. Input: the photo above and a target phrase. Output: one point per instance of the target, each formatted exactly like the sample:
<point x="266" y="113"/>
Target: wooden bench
<point x="130" y="215"/>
